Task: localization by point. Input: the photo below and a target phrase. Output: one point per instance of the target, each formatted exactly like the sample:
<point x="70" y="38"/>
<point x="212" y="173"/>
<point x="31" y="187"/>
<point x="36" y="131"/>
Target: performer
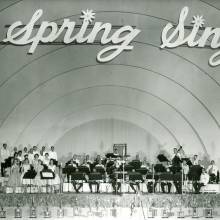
<point x="213" y="172"/>
<point x="4" y="155"/>
<point x="166" y="178"/>
<point x="195" y="160"/>
<point x="15" y="177"/>
<point x="135" y="180"/>
<point x="25" y="167"/>
<point x="204" y="179"/>
<point x="116" y="185"/>
<point x="185" y="170"/>
<point x="56" y="181"/>
<point x="53" y="154"/>
<point x="99" y="168"/>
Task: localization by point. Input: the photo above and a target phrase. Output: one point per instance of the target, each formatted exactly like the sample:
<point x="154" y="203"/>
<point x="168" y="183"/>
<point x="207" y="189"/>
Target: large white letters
<point x="178" y="38"/>
<point x="49" y="32"/>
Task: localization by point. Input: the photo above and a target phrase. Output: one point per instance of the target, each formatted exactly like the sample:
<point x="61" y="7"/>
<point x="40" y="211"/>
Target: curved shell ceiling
<point x="172" y="93"/>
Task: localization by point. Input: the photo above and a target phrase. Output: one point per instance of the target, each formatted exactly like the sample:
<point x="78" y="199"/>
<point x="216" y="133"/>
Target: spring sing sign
<point x="116" y="41"/>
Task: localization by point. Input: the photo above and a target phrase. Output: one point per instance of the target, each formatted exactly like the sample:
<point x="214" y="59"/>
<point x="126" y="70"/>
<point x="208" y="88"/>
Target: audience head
<point x="15" y="149"/>
<point x="25" y="149"/>
<point x="212" y="162"/>
<point x="46" y="155"/>
<point x="175" y="150"/>
<point x="43" y="148"/>
<point x="4" y="145"/>
<point x="52" y="148"/>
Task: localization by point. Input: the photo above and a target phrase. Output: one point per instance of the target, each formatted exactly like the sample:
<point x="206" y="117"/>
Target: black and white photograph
<point x="109" y="109"/>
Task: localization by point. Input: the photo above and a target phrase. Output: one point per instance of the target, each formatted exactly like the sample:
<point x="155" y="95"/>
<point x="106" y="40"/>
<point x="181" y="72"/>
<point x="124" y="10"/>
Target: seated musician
<point x="165" y="179"/>
<point x="77" y="181"/>
<point x="135" y="179"/>
<point x="98" y="173"/>
<point x="70" y="167"/>
<point x="85" y="165"/>
<point x="213" y="172"/>
<point x="136" y="163"/>
<point x="75" y="160"/>
<point x="116" y="185"/>
<point x="88" y="161"/>
<point x="115" y="152"/>
<point x="204" y="179"/>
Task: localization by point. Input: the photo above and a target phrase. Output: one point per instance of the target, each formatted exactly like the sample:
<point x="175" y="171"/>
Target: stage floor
<point x="97" y="206"/>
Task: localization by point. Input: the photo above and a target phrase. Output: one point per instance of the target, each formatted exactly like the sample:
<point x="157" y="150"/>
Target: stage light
<point x="208" y="212"/>
<point x="60" y="211"/>
<point x="165" y="213"/>
<point x="195" y="213"/>
<point x="180" y="214"/>
<point x="152" y="213"/>
<point x="18" y="212"/>
<point x="33" y="210"/>
<point x="2" y="213"/>
<point x="47" y="212"/>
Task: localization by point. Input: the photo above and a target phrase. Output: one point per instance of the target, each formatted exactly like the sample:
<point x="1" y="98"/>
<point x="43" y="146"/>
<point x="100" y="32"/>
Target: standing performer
<point x="213" y="172"/>
<point x="4" y="154"/>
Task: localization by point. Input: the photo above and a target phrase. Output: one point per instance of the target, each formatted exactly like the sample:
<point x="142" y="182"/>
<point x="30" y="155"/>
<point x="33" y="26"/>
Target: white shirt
<point x="195" y="162"/>
<point x="212" y="169"/>
<point x="46" y="161"/>
<point x="53" y="155"/>
<point x="30" y="158"/>
<point x="5" y="153"/>
<point x="185" y="169"/>
<point x="204" y="178"/>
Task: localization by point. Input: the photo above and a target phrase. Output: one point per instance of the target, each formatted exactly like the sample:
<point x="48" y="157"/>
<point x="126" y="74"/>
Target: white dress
<point x="56" y="180"/>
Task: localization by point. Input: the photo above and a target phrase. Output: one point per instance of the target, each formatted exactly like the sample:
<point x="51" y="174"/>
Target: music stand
<point x="30" y="174"/>
<point x="142" y="170"/>
<point x="135" y="176"/>
<point x="128" y="167"/>
<point x="100" y="169"/>
<point x="136" y="164"/>
<point x="159" y="168"/>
